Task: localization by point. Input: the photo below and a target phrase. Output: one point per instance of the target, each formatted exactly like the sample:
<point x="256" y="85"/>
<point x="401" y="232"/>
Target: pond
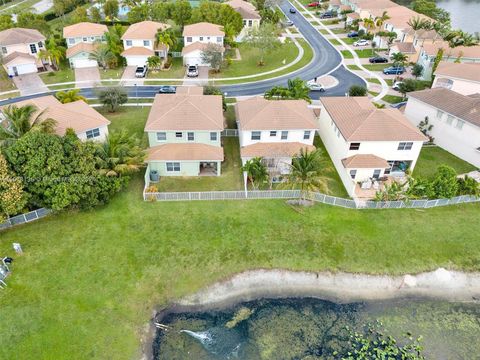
<point x="463" y="13"/>
<point x="308" y="328"/>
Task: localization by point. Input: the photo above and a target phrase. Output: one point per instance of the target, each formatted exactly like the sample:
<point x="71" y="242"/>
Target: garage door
<point x="83" y="63"/>
<point x="193" y="60"/>
<point x="22" y="69"/>
<point x="136" y="60"/>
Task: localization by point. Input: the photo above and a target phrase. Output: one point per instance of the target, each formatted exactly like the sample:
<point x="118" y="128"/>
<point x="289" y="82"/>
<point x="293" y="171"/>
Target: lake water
<point x="464" y="14"/>
<point x="308" y="328"/>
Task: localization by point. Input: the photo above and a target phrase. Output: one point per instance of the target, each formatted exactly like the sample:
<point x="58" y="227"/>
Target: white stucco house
<point x="82" y="40"/>
<point x="455" y="119"/>
<point x="196" y="37"/>
<point x="366" y="144"/>
<point x="184" y="134"/>
<point x="87" y="123"/>
<point x="463" y="78"/>
<point x="275" y="130"/>
<point x="139" y="42"/>
<point x="19" y="48"/>
<point x="250" y="16"/>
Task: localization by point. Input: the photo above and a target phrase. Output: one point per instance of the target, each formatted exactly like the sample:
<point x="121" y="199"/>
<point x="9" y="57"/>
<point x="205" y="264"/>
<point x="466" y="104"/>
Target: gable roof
<point x="19" y="58"/>
<point x="77" y="115"/>
<point x="358" y="120"/>
<point x="274" y="150"/>
<point x="185" y="112"/>
<point x="374" y="4"/>
<point x="185" y="151"/>
<point x="203" y="29"/>
<point x="197" y="45"/>
<point x="464" y="107"/>
<point x="20" y="36"/>
<point x="84" y="29"/>
<point x="260" y="114"/>
<point x="138" y="51"/>
<point x="459" y="51"/>
<point x="144" y="30"/>
<point x="79" y="48"/>
<point x="405" y="47"/>
<point x="399" y="16"/>
<point x="364" y="161"/>
<point x="246" y="9"/>
<point x="465" y="71"/>
<point x="190" y="89"/>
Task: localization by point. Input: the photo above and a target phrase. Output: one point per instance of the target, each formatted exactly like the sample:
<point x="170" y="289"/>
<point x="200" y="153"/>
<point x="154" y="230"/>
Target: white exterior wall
<point x="202" y="137"/>
<point x="460" y="142"/>
<point x="22" y="48"/>
<point x="138" y="43"/>
<point x="194" y="58"/>
<point x="461" y="86"/>
<point x="103" y="133"/>
<point x="21" y="69"/>
<point x="203" y="39"/>
<point x="295" y="135"/>
<point x="72" y="41"/>
<point x="247" y="24"/>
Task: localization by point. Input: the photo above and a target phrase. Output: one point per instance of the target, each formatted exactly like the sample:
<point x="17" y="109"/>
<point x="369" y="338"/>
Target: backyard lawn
<point x="431" y="157"/>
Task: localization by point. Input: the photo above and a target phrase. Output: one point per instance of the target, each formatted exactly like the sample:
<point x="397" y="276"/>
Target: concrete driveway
<point x="129" y="74"/>
<point x="87" y="77"/>
<point x="29" y="84"/>
<point x="202" y="78"/>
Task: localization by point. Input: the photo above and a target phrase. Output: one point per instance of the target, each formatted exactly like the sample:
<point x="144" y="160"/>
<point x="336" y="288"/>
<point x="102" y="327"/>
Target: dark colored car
<point x="394" y="70"/>
<point x="378" y="60"/>
<point x="293" y="10"/>
<point x="167" y="89"/>
<point x="327" y="15"/>
<point x="353" y="34"/>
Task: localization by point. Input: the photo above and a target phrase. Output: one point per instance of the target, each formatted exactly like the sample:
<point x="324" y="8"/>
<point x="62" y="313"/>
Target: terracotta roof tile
<point x="191" y="90"/>
<point x="462" y="51"/>
<point x="466" y="71"/>
<point x="138" y="50"/>
<point x="84" y="29"/>
<point x="18" y="57"/>
<point x="364" y="161"/>
<point x="246" y="9"/>
<point x="185" y="151"/>
<point x="197" y="46"/>
<point x="20" y="36"/>
<point x="203" y="29"/>
<point x="81" y="47"/>
<point x="274" y="149"/>
<point x="144" y="30"/>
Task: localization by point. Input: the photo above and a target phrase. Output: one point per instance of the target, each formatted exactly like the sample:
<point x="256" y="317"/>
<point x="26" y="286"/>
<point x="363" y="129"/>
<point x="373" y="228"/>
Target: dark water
<point x="307" y="329"/>
<point x="464" y="14"/>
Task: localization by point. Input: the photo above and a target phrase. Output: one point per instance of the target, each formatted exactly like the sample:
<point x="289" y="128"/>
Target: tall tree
<point x="103" y="56"/>
<point x="257" y="172"/>
<point x="262" y="38"/>
<point x="212" y="54"/>
<point x="53" y="52"/>
<point x="399" y="59"/>
<point x="139" y="13"/>
<point x="12" y="197"/>
<point x="95" y="15"/>
<point x="6" y="22"/>
<point x="166" y="37"/>
<point x="112" y="98"/>
<point x="221" y="14"/>
<point x="69" y="96"/>
<point x="79" y="15"/>
<point x="110" y="9"/>
<point x="181" y="12"/>
<point x="114" y="41"/>
<point x="296" y="89"/>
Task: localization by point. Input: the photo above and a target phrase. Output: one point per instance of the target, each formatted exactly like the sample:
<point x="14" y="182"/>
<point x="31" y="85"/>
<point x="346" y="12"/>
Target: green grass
<point x="324" y="31"/>
<point x="334" y="184"/>
<point x="17" y="9"/>
<point x="279" y="57"/>
<point x="176" y="71"/>
<point x="373" y="93"/>
<point x="431" y="157"/>
<point x="364" y="53"/>
<point x="130" y="118"/>
<point x="88" y="282"/>
<point x="65" y="74"/>
<point x="230" y="118"/>
<point x="6" y="84"/>
<point x="346" y="54"/>
<point x="373" y="80"/>
<point x="389" y="82"/>
<point x="349" y="41"/>
<point x="334" y="42"/>
<point x="353" y="67"/>
<point x="376" y="67"/>
<point x="392" y="99"/>
<point x="111" y="73"/>
<point x="330" y="22"/>
<point x="339" y="31"/>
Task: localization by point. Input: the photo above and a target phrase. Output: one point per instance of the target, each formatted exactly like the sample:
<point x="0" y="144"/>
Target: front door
<point x="15" y="71"/>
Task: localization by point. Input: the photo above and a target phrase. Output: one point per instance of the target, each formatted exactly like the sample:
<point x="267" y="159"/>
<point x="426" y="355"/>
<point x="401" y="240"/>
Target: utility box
<point x="154" y="176"/>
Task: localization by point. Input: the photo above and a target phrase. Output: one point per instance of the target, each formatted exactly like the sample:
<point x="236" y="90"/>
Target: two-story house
<point x="455" y="119"/>
<point x="367" y="144"/>
<point x="139" y="42"/>
<point x="19" y="49"/>
<point x="82" y="40"/>
<point x="87" y="123"/>
<point x="274" y="130"/>
<point x="251" y="17"/>
<point x="184" y="134"/>
<point x="463" y="78"/>
<point x="196" y="37"/>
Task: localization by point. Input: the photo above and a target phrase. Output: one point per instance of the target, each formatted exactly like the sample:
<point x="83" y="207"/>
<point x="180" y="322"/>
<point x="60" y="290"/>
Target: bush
<point x="112" y="98"/>
<point x="357" y="90"/>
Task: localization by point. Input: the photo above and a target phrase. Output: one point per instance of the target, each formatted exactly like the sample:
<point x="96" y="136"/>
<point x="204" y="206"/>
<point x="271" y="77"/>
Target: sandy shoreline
<point x="440" y="284"/>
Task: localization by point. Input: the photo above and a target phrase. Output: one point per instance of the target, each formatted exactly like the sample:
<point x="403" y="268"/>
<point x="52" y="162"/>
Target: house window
<point x="244" y="22"/>
<point x="353" y="173"/>
<point x="33" y="48"/>
<point x="93" y="133"/>
<point x="256" y="135"/>
<point x="189" y="39"/>
<point x="40" y="44"/>
<point x="71" y="41"/>
<point x="450" y="119"/>
<point x="250" y="23"/>
<point x="4" y="50"/>
<point x="128" y="42"/>
<point x="190" y="136"/>
<point x="173" y="166"/>
<point x="178" y="135"/>
<point x="84" y="39"/>
<point x="273" y="133"/>
<point x="439" y="114"/>
<point x="201" y="38"/>
<point x="161" y="136"/>
<point x="354" y="146"/>
<point x="306" y="135"/>
<point x="92" y="38"/>
<point x="459" y="125"/>
<point x="284" y="135"/>
<point x="146" y="42"/>
<point x="219" y="39"/>
<point x="213" y="136"/>
<point x="405" y="146"/>
<point x="376" y="173"/>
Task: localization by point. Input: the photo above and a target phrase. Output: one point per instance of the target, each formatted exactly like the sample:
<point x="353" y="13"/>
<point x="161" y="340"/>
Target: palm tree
<point x="113" y="39"/>
<point x="53" y="52"/>
<point x="120" y="154"/>
<point x="256" y="171"/>
<point x="369" y="24"/>
<point x="277" y="92"/>
<point x="399" y="59"/>
<point x="380" y="20"/>
<point x="305" y="173"/>
<point x="103" y="56"/>
<point x="69" y="96"/>
<point x="418" y="23"/>
<point x="154" y="62"/>
<point x="167" y="38"/>
<point x="460" y="38"/>
<point x="20" y="120"/>
<point x="299" y="90"/>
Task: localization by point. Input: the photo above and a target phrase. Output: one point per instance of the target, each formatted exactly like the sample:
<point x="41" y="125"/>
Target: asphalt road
<point x="326" y="60"/>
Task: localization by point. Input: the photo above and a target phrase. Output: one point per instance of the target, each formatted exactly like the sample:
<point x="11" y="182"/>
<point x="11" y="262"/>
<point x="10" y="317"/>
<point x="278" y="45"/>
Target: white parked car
<point x="192" y="71"/>
<point x="314" y="86"/>
<point x="361" y="42"/>
<point x="396" y="85"/>
<point x="141" y="71"/>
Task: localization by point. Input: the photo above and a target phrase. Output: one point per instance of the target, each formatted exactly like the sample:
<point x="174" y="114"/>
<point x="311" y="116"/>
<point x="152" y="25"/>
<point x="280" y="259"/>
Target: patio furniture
<point x="366" y="184"/>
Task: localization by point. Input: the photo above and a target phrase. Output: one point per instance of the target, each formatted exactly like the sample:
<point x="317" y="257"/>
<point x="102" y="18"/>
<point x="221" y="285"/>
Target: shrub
<point x="357" y="90"/>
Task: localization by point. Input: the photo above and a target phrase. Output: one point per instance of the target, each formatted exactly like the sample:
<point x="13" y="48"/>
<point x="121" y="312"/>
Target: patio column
<point x="219" y="168"/>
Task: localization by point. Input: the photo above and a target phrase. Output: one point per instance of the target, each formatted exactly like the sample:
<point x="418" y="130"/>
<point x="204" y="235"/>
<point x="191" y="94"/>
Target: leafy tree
<point x="257" y="172"/>
<point x="154" y="62"/>
<point x="357" y="90"/>
<point x="166" y="37"/>
<point x="162" y="11"/>
<point x="262" y="38"/>
<point x="406" y="86"/>
<point x="12" y="197"/>
<point x="380" y="20"/>
<point x="437" y="60"/>
<point x="277" y="92"/>
<point x="272" y="16"/>
<point x="418" y="23"/>
<point x="110" y="9"/>
<point x="53" y="52"/>
<point x="305" y="173"/>
<point x="69" y="96"/>
<point x="181" y="12"/>
<point x="399" y="59"/>
<point x="430" y="9"/>
<point x="221" y="14"/>
<point x="392" y="192"/>
<point x="297" y="89"/>
<point x="33" y="21"/>
<point x="6" y="22"/>
<point x="95" y="15"/>
<point x="213" y="54"/>
<point x="21" y="120"/>
<point x="139" y="13"/>
<point x="112" y="98"/>
<point x="417" y="70"/>
<point x="120" y="154"/>
<point x="369" y="24"/>
<point x="444" y="184"/>
<point x="114" y="41"/>
<point x="103" y="56"/>
<point x="79" y="15"/>
<point x="212" y="90"/>
<point x="468" y="186"/>
<point x="460" y="38"/>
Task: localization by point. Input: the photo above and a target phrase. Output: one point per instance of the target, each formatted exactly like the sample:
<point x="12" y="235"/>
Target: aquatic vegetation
<point x="242" y="314"/>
